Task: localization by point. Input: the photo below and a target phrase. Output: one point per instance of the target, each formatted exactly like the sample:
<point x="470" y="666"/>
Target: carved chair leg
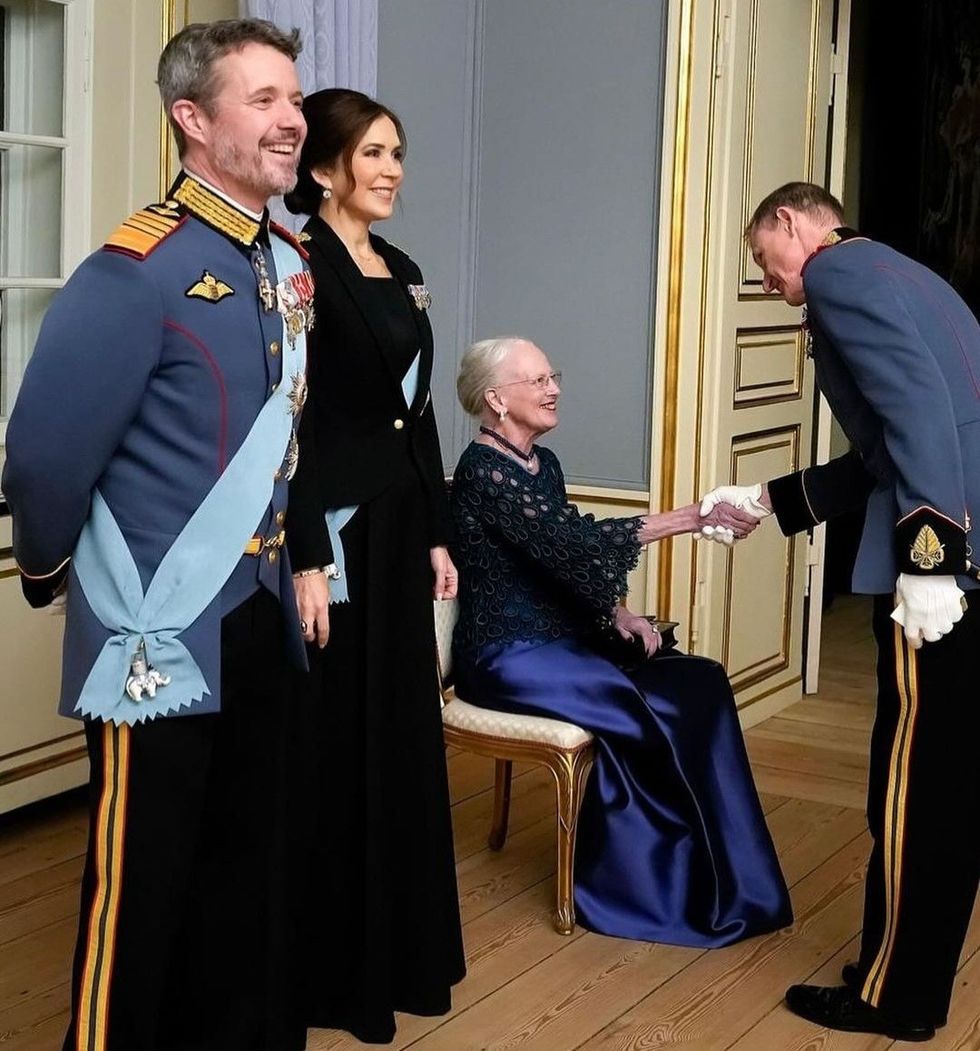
<point x="501" y="803"/>
<point x="570" y="770"/>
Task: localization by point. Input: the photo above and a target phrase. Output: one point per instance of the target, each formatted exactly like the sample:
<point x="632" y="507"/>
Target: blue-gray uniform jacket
<point x="150" y="369"/>
<point x="897" y="355"/>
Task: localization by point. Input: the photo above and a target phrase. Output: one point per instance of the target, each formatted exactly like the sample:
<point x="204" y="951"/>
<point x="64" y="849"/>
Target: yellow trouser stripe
<point x="93" y="1001"/>
<point x="895" y="804"/>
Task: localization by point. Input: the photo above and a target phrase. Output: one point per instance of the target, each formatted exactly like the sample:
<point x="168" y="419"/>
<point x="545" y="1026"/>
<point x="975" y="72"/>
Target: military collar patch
<point x="209" y="288"/>
<point x="216" y="212"/>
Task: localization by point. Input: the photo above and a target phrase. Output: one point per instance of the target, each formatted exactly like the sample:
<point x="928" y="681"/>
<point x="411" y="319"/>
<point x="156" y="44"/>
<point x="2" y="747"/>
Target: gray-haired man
<point x="897" y="354"/>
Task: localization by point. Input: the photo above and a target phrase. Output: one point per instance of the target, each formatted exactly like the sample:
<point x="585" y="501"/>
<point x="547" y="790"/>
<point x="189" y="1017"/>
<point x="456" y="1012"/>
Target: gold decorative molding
<point x="751" y="287"/>
<point x="772" y="390"/>
<point x="741" y="678"/>
<point x="685" y="73"/>
<point x="168" y="26"/>
<point x="703" y="308"/>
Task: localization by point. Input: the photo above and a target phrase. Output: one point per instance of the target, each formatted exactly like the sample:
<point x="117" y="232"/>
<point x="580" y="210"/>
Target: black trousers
<point x="187" y="937"/>
<point x="924" y="816"/>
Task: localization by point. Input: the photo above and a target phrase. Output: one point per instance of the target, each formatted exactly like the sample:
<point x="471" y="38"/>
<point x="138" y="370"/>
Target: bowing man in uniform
<point x="897" y="354"/>
<point x="156" y="493"/>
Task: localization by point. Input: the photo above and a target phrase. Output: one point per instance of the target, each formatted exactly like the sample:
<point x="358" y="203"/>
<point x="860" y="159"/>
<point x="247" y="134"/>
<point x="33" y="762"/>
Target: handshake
<point x="731" y="512"/>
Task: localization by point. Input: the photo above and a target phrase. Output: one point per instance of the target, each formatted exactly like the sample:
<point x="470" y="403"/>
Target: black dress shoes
<point x="841" y="1008"/>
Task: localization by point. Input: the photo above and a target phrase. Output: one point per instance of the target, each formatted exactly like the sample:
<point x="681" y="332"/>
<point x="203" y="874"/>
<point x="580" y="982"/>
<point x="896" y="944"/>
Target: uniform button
<point x="399" y="424"/>
<point x="280" y="517"/>
<point x="275" y="387"/>
<point x="274" y="347"/>
<point x="277" y="476"/>
<point x="273" y="555"/>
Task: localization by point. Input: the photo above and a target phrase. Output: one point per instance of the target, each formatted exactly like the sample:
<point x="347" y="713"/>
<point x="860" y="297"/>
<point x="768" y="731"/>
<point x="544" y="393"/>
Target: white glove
<point x="927" y="607"/>
<point x="744" y="497"/>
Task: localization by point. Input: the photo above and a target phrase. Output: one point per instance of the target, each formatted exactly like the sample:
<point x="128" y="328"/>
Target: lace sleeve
<point x="588" y="559"/>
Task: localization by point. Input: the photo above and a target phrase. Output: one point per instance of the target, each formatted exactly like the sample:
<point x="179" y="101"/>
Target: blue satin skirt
<point x="672" y="844"/>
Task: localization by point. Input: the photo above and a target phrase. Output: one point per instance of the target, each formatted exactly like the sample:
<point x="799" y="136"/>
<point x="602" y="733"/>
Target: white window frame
<point x="75" y="144"/>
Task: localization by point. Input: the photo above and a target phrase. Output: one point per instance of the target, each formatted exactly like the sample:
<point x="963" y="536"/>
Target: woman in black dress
<point x="368" y="505"/>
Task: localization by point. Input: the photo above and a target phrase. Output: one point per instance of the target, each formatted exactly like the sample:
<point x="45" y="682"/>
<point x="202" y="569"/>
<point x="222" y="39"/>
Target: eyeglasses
<point x="537" y="382"/>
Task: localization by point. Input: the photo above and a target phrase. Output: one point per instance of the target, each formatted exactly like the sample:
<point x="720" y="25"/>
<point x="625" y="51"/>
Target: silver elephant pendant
<point x="143" y="677"/>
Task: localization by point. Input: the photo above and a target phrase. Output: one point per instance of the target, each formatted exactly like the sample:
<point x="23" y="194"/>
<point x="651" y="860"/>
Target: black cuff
<point x="789" y="503"/>
<point x="928" y="543"/>
<point x="41" y="592"/>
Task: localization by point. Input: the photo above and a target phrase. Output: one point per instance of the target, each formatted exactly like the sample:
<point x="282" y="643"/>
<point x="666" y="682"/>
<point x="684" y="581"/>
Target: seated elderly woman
<point x="672" y="844"/>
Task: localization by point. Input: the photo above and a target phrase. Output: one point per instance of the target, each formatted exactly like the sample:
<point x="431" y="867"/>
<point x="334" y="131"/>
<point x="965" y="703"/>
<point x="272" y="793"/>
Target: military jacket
<point x="897" y="355"/>
<point x="151" y="366"/>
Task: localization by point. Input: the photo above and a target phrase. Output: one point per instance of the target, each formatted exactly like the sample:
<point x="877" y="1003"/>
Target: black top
<point x="357" y="435"/>
<point x="530" y="566"/>
<point x="395" y="311"/>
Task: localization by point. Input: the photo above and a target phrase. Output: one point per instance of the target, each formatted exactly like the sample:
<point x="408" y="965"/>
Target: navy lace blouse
<point x="530" y="566"/>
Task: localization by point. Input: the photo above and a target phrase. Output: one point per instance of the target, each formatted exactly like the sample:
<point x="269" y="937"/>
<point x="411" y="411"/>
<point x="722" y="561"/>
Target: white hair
<point x="479" y="368"/>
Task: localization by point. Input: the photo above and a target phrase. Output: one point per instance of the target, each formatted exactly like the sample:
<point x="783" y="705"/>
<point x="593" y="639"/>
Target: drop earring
<point x="502" y="414"/>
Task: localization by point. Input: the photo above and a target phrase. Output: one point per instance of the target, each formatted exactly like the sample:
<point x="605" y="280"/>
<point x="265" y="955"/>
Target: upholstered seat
<point x="565" y="749"/>
<point x="468" y="717"/>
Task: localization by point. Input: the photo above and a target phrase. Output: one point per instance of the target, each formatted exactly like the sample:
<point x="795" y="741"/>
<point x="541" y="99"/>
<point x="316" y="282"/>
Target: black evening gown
<point x="385" y="930"/>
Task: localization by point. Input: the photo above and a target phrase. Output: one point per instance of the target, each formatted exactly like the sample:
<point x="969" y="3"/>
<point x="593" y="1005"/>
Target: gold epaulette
<point x="290" y="238"/>
<point x="144" y="230"/>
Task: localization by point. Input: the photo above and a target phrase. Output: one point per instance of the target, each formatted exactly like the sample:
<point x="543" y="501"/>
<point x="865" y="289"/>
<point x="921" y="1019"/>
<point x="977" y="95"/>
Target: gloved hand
<point x="927" y="607"/>
<point x="746" y="498"/>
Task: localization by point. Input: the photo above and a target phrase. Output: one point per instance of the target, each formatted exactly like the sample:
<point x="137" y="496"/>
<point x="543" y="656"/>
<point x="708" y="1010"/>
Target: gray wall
<point x="530" y="199"/>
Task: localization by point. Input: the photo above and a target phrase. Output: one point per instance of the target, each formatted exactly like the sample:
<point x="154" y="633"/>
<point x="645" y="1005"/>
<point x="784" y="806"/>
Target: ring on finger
<point x="303" y="627"/>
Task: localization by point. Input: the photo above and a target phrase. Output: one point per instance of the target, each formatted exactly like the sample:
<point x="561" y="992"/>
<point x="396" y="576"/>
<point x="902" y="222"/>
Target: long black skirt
<point x="384" y="925"/>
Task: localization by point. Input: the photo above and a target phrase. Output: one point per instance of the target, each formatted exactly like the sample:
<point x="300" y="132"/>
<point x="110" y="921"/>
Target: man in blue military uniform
<point x="148" y="458"/>
<point x="897" y="354"/>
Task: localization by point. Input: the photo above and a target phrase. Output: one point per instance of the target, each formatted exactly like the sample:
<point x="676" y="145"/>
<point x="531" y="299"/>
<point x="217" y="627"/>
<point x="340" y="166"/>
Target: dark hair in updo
<point x="336" y="119"/>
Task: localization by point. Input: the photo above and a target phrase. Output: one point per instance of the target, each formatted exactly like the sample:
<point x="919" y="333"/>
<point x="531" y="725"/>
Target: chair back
<point x="446" y="614"/>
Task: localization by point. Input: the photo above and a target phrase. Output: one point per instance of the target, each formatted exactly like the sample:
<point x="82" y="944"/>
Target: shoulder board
<point x="289" y="237"/>
<point x="144" y="231"/>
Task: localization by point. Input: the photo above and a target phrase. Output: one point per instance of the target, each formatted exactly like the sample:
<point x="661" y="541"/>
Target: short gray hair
<point x="806" y="197"/>
<point x="478" y="370"/>
<point x="186" y="68"/>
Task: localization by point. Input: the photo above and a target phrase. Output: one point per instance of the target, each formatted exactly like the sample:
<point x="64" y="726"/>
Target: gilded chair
<point x="565" y="749"/>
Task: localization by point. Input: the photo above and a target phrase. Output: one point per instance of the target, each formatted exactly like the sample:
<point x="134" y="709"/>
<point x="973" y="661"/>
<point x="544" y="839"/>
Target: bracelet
<point x="308" y="572"/>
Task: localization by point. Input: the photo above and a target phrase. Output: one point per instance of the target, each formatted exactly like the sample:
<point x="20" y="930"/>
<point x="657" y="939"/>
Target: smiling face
<point x="247" y="141"/>
<point x="376" y="165"/>
<point x="531" y="407"/>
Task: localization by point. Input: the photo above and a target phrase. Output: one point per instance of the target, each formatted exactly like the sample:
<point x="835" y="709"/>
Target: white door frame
<point x="816" y="552"/>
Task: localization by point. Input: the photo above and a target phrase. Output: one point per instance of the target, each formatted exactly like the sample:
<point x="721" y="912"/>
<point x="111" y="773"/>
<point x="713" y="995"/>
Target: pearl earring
<point x="327" y="193"/>
<point x="503" y="415"/>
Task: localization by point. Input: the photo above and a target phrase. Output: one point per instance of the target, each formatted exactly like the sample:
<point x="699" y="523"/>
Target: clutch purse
<point x="629" y="654"/>
<point x="667" y="629"/>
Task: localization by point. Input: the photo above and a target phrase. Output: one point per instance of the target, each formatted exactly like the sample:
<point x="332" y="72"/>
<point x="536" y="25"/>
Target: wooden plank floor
<point x="528" y="987"/>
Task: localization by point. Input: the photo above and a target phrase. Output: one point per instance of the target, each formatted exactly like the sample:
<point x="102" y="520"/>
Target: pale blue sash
<point x="338" y="517"/>
<point x="194" y="569"/>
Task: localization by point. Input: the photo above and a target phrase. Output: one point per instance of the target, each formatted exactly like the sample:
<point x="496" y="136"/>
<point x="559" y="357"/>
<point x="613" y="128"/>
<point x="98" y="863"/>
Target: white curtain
<point x="340" y="39"/>
<point x="340" y="50"/>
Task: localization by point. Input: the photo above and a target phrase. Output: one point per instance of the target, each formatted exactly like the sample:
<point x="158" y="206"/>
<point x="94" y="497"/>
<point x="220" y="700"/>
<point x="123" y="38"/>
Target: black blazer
<point x="356" y="432"/>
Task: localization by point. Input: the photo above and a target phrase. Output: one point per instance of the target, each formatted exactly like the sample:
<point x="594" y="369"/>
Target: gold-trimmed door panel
<point x="751" y="95"/>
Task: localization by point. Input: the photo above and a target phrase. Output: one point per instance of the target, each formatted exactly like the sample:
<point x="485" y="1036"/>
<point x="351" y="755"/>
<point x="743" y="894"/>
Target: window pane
<point x="21" y="312"/>
<point x="32" y="64"/>
<point x="30" y="211"/>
